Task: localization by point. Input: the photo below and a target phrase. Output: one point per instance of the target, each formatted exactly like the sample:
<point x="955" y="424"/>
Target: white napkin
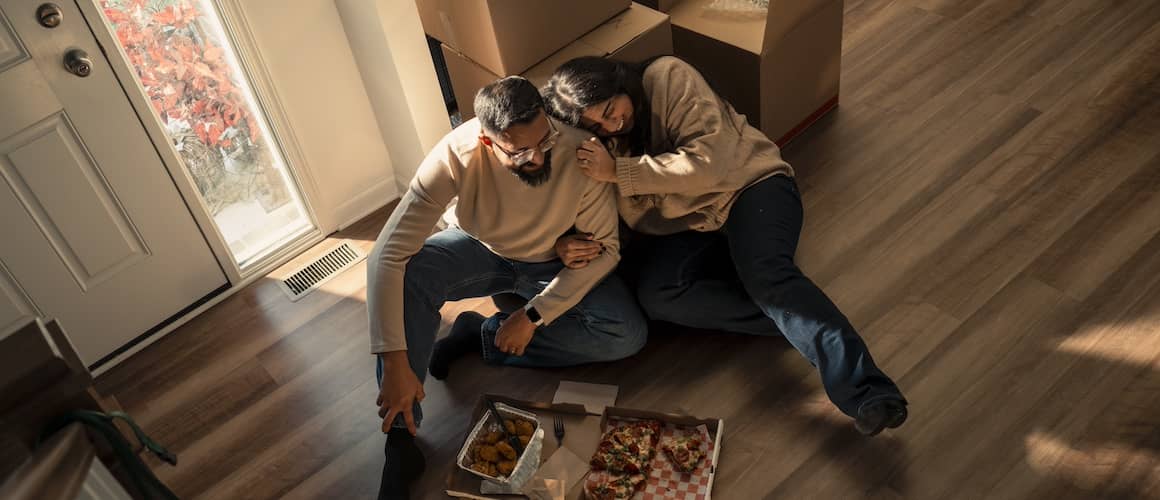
<point x="594" y="397"/>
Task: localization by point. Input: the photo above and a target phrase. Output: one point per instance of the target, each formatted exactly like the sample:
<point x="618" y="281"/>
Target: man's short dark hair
<point x="506" y="102"/>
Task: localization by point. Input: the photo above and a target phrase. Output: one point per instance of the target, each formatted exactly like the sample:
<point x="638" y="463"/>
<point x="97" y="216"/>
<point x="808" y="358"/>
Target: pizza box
<point x="582" y="434"/>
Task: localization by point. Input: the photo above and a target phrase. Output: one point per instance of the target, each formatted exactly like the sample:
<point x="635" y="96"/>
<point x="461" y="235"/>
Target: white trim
<point x="254" y="274"/>
<point x="294" y="245"/>
<point x="233" y="17"/>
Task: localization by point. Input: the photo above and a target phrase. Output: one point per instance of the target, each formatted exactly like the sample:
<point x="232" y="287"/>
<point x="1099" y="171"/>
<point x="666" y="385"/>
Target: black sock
<point x="464" y="339"/>
<point x="404" y="463"/>
<point x="875" y="416"/>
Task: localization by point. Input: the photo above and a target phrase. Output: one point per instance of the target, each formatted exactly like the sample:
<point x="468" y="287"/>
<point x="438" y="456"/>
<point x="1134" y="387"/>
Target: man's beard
<point x="538" y="177"/>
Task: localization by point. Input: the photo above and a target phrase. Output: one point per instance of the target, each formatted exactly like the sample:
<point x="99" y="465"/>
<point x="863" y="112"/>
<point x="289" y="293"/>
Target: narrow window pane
<point x="191" y="75"/>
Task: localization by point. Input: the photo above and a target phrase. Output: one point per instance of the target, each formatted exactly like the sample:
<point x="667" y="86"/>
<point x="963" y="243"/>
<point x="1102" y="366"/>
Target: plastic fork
<point x="558" y="427"/>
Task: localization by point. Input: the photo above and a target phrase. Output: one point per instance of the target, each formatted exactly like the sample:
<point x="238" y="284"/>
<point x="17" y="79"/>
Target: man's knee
<point x="423" y="269"/>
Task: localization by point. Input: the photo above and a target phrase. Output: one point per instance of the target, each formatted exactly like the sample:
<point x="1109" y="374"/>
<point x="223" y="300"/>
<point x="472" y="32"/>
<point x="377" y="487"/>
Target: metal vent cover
<point x="322" y="269"/>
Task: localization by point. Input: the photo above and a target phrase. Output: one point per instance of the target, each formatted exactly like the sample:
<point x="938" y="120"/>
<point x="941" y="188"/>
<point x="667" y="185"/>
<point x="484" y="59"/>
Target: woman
<point x="725" y="214"/>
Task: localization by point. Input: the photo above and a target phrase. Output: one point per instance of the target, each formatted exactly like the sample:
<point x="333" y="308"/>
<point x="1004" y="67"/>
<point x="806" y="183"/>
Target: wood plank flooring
<point x="984" y="205"/>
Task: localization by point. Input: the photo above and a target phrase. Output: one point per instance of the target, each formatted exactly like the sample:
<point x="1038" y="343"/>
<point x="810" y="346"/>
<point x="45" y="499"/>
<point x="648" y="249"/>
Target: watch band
<point x="533" y="315"/>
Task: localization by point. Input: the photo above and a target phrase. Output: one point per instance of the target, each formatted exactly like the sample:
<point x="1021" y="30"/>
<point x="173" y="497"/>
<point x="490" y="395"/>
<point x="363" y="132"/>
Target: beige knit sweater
<point x="713" y="154"/>
<point x="512" y="219"/>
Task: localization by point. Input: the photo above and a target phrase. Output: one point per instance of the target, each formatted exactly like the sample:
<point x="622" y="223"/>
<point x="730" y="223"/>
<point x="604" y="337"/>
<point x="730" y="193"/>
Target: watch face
<point x="533" y="314"/>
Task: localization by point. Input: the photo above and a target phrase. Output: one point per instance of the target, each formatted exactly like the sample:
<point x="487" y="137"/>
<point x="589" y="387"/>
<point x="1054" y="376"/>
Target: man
<point x="512" y="169"/>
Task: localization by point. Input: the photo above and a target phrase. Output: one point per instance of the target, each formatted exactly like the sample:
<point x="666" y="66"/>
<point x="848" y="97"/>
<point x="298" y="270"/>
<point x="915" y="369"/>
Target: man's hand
<point x="596" y="161"/>
<point x="515" y="333"/>
<point x="577" y="250"/>
<point x="401" y="390"/>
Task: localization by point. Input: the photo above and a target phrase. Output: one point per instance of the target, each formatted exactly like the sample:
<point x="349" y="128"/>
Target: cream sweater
<point x="512" y="219"/>
<point x="713" y="154"/>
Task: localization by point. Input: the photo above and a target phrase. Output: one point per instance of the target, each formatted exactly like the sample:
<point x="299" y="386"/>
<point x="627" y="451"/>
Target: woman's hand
<point x="596" y="161"/>
<point x="577" y="250"/>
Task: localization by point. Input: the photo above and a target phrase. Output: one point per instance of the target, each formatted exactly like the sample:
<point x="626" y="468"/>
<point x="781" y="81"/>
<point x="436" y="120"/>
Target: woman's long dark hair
<point x="586" y="81"/>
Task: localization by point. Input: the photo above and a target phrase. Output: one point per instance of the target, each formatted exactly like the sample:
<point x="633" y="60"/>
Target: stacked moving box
<point x="780" y="68"/>
<point x="484" y="40"/>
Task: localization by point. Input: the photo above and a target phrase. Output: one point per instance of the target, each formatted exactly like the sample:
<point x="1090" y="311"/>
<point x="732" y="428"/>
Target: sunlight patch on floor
<point x="1128" y="342"/>
<point x="1091" y="468"/>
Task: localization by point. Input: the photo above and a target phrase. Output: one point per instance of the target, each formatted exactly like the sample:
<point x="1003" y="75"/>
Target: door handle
<point x="49" y="15"/>
<point x="77" y="62"/>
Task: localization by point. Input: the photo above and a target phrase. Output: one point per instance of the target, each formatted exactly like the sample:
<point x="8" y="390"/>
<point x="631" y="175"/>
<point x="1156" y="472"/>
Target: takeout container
<point x="526" y="463"/>
<point x="584" y="431"/>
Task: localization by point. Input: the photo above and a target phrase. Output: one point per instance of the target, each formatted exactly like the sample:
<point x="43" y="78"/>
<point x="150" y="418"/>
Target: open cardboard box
<point x="781" y="70"/>
<point x="633" y="36"/>
<point x="583" y="433"/>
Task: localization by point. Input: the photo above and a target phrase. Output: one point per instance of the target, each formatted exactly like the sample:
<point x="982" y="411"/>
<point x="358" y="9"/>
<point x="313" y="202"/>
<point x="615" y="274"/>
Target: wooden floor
<point x="984" y="205"/>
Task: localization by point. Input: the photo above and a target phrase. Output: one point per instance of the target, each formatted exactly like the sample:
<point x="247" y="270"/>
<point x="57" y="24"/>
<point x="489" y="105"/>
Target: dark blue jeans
<point x="606" y="325"/>
<point x="744" y="279"/>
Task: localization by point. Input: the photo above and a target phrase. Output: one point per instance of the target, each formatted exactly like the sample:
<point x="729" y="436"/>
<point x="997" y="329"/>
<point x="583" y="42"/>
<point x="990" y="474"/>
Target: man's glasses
<point x="525" y="155"/>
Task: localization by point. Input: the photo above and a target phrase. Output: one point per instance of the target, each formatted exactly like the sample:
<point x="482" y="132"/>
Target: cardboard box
<point x="510" y="36"/>
<point x="633" y="36"/>
<point x="781" y="71"/>
<point x="583" y="432"/>
<point x="659" y="5"/>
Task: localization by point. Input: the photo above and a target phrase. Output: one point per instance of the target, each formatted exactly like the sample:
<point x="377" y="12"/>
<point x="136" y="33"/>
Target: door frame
<point x="234" y="22"/>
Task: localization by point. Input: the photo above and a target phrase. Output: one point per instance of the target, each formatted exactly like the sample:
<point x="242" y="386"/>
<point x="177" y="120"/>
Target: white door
<point x="93" y="231"/>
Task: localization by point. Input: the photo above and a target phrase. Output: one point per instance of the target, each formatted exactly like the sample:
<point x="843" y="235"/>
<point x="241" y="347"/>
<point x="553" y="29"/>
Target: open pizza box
<point x="583" y="432"/>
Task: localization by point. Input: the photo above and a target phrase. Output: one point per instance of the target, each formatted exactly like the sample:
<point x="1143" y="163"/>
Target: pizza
<point x="627" y="448"/>
<point x="605" y="485"/>
<point x="685" y="453"/>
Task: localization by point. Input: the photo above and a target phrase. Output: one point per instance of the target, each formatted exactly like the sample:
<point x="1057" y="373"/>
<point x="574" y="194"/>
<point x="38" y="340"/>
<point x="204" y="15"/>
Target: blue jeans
<point x="743" y="279"/>
<point x="606" y="325"/>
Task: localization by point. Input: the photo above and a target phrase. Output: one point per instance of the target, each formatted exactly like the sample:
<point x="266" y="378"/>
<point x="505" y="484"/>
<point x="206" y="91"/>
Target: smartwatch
<point x="533" y="315"/>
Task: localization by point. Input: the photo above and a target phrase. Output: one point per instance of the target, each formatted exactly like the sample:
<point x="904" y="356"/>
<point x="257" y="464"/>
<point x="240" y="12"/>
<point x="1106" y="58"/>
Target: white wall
<point x="391" y="51"/>
<point x="344" y="164"/>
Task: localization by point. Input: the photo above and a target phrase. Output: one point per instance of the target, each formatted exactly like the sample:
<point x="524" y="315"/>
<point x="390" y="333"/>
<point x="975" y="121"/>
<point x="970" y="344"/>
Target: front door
<point x="93" y="231"/>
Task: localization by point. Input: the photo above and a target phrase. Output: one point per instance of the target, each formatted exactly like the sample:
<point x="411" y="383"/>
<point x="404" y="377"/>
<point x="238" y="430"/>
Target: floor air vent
<point x="314" y="274"/>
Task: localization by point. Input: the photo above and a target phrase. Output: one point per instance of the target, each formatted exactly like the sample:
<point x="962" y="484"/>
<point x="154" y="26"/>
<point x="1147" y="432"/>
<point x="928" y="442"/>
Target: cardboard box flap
<point x="620" y="31"/>
<point x="683" y="420"/>
<point x="528" y="18"/>
<point x="532" y="406"/>
<point x="623" y="29"/>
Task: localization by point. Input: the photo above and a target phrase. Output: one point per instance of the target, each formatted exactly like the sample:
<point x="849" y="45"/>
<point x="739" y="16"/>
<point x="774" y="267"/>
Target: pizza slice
<point x="685" y="452"/>
<point x="627" y="448"/>
<point x="605" y="485"/>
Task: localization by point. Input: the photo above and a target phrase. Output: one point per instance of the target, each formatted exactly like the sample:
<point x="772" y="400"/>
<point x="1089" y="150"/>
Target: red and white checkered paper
<point x="665" y="482"/>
